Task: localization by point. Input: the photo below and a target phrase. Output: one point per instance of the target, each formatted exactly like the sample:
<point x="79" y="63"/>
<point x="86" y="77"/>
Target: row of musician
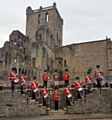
<point x="67" y="90"/>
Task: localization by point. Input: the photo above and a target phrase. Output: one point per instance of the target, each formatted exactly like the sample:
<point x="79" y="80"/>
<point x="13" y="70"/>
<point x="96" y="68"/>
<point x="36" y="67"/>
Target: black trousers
<point x="44" y="102"/>
<point x="56" y="105"/>
<point x="78" y="95"/>
<point x="33" y="95"/>
<point x="98" y="83"/>
<point x="67" y="101"/>
<point x="66" y="82"/>
<point x="22" y="89"/>
<point x="12" y="86"/>
<point x="45" y="83"/>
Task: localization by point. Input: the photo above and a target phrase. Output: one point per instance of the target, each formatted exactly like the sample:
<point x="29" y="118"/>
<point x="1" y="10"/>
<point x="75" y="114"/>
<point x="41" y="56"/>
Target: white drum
<point x="80" y="89"/>
<point x="89" y="82"/>
<point x="103" y="83"/>
<point x="45" y="96"/>
<point x="101" y="78"/>
<point x="16" y="80"/>
<point x="24" y="83"/>
<point x="69" y="95"/>
<point x="36" y="89"/>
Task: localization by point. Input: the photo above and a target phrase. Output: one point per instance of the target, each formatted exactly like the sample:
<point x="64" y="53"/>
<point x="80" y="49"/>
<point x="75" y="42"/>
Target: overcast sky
<point x="84" y="20"/>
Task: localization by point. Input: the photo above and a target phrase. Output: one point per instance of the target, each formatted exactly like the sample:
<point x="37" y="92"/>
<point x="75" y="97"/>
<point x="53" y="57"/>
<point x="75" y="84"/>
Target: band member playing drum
<point x="88" y="81"/>
<point x="56" y="78"/>
<point x="22" y="81"/>
<point x="13" y="77"/>
<point x="34" y="87"/>
<point x="68" y="94"/>
<point x="45" y="93"/>
<point x="66" y="77"/>
<point x="98" y="75"/>
<point x="78" y="87"/>
<point x="56" y="98"/>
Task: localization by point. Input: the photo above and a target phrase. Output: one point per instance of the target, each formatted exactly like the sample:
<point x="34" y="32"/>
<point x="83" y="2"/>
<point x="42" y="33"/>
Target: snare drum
<point x="80" y="89"/>
<point x="69" y="95"/>
<point x="16" y="80"/>
<point x="24" y="83"/>
<point x="101" y="78"/>
<point x="36" y="89"/>
<point x="89" y="82"/>
<point x="103" y="83"/>
<point x="45" y="96"/>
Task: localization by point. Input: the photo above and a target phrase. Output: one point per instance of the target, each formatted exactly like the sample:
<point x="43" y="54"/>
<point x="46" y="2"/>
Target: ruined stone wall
<point x="81" y="57"/>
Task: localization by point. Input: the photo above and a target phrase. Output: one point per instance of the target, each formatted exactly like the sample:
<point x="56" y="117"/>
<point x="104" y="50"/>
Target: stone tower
<point x="45" y="24"/>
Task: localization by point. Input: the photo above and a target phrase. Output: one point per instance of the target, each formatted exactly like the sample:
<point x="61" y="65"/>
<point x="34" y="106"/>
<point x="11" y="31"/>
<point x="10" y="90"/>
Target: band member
<point x="88" y="81"/>
<point x="45" y="78"/>
<point x="98" y="75"/>
<point x="78" y="87"/>
<point x="56" y="78"/>
<point x="34" y="87"/>
<point x="13" y="76"/>
<point x="68" y="94"/>
<point x="45" y="93"/>
<point x="66" y="77"/>
<point x="22" y="81"/>
<point x="56" y="98"/>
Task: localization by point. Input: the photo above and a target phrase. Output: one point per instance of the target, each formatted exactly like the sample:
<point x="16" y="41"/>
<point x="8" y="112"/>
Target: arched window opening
<point x="46" y="17"/>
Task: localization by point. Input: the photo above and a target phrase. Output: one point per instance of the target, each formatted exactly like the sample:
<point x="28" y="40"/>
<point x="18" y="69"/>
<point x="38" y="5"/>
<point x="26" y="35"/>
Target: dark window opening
<point x="39" y="18"/>
<point x="60" y="62"/>
<point x="18" y="36"/>
<point x="57" y="38"/>
<point x="51" y="37"/>
<point x="64" y="63"/>
<point x="40" y="37"/>
<point x="33" y="62"/>
<point x="24" y="51"/>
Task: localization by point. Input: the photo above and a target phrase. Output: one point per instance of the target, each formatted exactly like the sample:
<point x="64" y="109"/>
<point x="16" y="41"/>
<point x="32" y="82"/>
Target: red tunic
<point x="77" y="85"/>
<point x="13" y="76"/>
<point x="44" y="92"/>
<point x="34" y="85"/>
<point x="88" y="79"/>
<point x="56" y="95"/>
<point x="67" y="91"/>
<point x="56" y="76"/>
<point x="22" y="79"/>
<point x="98" y="73"/>
<point x="66" y="76"/>
<point x="45" y="77"/>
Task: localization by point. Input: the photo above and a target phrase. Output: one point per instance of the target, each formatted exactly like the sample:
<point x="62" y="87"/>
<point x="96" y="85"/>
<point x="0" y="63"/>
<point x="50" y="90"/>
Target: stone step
<point x="59" y="112"/>
<point x="39" y="105"/>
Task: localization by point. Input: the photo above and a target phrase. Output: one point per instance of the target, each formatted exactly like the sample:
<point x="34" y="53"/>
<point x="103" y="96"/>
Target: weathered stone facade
<point x="41" y="48"/>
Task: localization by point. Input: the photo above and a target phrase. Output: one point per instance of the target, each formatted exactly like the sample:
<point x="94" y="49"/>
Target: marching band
<point x="45" y="93"/>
